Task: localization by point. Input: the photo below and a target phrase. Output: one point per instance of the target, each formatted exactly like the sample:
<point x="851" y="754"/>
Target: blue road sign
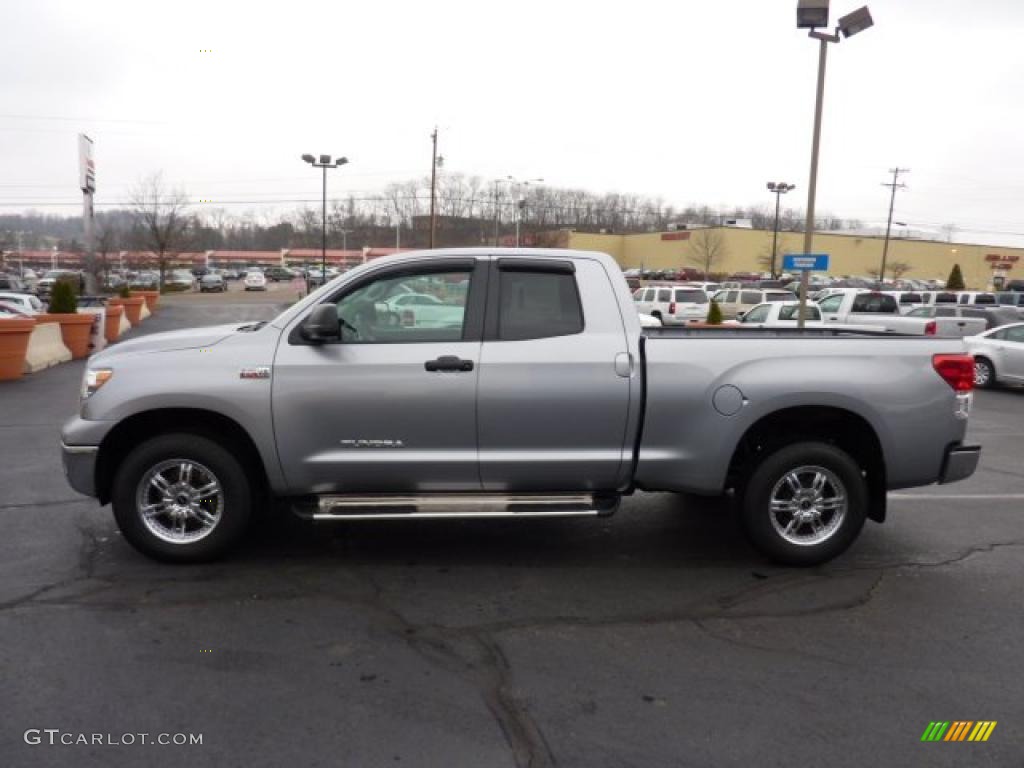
<point x="805" y="262"/>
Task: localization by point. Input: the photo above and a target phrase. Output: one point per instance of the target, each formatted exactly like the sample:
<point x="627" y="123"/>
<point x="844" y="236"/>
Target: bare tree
<point x="764" y="256"/>
<point x="107" y="240"/>
<point x="707" y="248"/>
<point x="162" y="219"/>
<point x="899" y="268"/>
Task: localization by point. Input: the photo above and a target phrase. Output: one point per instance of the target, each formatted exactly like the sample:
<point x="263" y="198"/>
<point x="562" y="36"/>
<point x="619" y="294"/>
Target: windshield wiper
<point x="252" y="326"/>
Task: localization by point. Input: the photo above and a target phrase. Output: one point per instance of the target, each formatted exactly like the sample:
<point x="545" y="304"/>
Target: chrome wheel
<point x="982" y="373"/>
<point x="808" y="505"/>
<point x="179" y="501"/>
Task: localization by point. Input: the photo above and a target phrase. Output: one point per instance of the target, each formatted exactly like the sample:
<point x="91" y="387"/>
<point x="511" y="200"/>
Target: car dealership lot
<point x="656" y="637"/>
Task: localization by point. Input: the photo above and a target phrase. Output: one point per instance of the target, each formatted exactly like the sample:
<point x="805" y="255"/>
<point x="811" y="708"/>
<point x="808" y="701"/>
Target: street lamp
<point x="520" y="202"/>
<point x="324" y="162"/>
<point x="778" y="188"/>
<point x="812" y="14"/>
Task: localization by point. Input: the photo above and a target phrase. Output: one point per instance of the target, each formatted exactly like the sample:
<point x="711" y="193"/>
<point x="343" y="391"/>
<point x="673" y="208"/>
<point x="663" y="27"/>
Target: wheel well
<point x="142" y="426"/>
<point x="836" y="426"/>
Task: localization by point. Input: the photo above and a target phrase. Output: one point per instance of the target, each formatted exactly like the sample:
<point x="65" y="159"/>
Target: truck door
<point x="554" y="378"/>
<point x="391" y="406"/>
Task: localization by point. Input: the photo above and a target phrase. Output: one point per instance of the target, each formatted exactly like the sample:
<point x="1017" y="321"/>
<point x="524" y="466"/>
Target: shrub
<point x="124" y="292"/>
<point x="714" y="313"/>
<point x="63" y="300"/>
<point x="956" y="279"/>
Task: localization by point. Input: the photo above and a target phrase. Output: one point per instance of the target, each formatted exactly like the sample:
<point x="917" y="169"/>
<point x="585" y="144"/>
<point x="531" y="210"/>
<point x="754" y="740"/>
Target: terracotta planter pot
<point x="151" y="297"/>
<point x="112" y="325"/>
<point x="14" y="333"/>
<point x="74" y="330"/>
<point x="132" y="307"/>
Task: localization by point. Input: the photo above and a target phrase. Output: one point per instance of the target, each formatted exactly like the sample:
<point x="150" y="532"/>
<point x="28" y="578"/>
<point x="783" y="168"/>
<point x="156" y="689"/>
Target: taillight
<point x="672" y="308"/>
<point x="931" y="328"/>
<point x="957" y="370"/>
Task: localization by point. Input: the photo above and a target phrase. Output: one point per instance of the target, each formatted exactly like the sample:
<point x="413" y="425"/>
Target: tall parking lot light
<point x="778" y="188"/>
<point x="324" y="162"/>
<point x="813" y="14"/>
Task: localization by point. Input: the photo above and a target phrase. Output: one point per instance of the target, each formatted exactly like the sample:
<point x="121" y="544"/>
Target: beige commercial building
<point x="747" y="250"/>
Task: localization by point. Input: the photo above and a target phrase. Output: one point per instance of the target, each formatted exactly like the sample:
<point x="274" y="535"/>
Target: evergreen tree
<point x="956" y="279"/>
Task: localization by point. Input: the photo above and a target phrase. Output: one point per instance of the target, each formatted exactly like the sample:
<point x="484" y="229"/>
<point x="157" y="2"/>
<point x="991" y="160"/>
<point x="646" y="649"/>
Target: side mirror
<point x="740" y="315"/>
<point x="322" y="324"/>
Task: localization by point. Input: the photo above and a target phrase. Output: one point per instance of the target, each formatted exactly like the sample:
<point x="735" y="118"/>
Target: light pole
<point x="778" y="188"/>
<point x="325" y="163"/>
<point x="520" y="201"/>
<point x="812" y="14"/>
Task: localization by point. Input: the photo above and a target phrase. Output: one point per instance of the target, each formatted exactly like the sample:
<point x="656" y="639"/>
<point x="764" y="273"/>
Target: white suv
<point x="673" y="304"/>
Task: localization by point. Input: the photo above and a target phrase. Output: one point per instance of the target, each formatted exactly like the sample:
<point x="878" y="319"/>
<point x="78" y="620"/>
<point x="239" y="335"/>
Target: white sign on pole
<point x="86" y="167"/>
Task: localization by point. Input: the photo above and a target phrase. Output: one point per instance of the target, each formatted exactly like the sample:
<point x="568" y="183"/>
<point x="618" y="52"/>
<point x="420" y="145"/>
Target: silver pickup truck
<point x="509" y="383"/>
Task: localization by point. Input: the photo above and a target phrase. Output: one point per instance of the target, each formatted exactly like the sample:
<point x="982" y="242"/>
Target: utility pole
<point x="433" y="189"/>
<point x="894" y="184"/>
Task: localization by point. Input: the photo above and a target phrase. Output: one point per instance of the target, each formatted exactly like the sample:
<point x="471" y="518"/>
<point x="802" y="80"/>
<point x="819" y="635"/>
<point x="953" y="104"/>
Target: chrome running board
<point x="464" y="506"/>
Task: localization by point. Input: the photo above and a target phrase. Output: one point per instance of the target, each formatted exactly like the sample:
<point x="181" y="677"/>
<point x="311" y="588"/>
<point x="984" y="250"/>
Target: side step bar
<point x="461" y="506"/>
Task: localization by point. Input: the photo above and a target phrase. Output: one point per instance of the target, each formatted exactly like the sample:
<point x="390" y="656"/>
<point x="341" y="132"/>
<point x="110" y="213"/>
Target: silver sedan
<point x="998" y="355"/>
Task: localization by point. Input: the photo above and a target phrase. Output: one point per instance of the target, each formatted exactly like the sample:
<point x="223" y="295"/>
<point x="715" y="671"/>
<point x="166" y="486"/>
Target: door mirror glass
<point x="322" y="324"/>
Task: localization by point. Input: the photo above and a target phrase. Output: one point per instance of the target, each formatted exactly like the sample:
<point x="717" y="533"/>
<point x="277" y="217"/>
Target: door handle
<point x="449" y="363"/>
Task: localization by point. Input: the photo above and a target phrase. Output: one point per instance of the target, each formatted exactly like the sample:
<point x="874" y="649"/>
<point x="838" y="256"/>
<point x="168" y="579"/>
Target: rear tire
<point x="804" y="504"/>
<point x="984" y="373"/>
<point x="181" y="498"/>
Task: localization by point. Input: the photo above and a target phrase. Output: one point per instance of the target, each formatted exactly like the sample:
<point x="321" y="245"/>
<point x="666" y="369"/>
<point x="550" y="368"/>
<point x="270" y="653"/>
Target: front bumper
<point x="960" y="462"/>
<point x="80" y="467"/>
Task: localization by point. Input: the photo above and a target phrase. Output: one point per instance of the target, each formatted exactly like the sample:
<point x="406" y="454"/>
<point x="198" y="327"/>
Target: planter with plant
<point x="151" y="298"/>
<point x="14" y="335"/>
<point x="74" y="328"/>
<point x="714" y="314"/>
<point x="132" y="304"/>
<point x="112" y="323"/>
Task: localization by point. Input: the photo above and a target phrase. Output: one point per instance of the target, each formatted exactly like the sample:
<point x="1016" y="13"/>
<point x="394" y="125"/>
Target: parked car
<point x="230" y="274"/>
<point x="735" y="302"/>
<point x="531" y="405"/>
<point x="780" y="314"/>
<point x="255" y="281"/>
<point x="421" y="310"/>
<point x="145" y="280"/>
<point x="862" y="307"/>
<point x="279" y="274"/>
<point x="12" y="283"/>
<point x="25" y="302"/>
<point x="209" y="283"/>
<point x="709" y="288"/>
<point x="45" y="284"/>
<point x="12" y="310"/>
<point x="647" y="321"/>
<point x="969" y="320"/>
<point x="982" y="298"/>
<point x="998" y="355"/>
<point x="673" y="304"/>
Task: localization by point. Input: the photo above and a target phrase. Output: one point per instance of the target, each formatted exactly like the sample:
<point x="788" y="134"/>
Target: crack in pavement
<point x="474" y="653"/>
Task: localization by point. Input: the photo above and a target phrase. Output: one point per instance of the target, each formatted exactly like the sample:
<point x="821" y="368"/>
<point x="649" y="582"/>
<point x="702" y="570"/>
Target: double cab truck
<point x="534" y="393"/>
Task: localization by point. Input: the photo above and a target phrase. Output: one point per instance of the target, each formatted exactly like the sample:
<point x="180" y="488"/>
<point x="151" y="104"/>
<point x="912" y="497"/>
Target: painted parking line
<point x="957" y="496"/>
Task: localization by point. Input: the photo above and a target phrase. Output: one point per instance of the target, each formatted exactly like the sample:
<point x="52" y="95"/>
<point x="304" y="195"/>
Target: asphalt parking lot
<point x="653" y="638"/>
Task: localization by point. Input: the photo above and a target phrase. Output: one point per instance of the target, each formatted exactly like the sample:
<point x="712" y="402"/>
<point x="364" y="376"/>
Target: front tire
<point x="805" y="504"/>
<point x="984" y="373"/>
<point x="181" y="498"/>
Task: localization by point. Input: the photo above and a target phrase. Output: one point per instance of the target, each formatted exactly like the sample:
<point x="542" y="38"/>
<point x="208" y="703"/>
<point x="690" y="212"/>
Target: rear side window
<point x="964" y="298"/>
<point x="732" y="297"/>
<point x="664" y="294"/>
<point x="691" y="296"/>
<point x="945" y="312"/>
<point x="945" y="298"/>
<point x="792" y="312"/>
<point x="984" y="298"/>
<point x="779" y="296"/>
<point x="536" y="305"/>
<point x="750" y="297"/>
<point x="874" y="302"/>
<point x="910" y="298"/>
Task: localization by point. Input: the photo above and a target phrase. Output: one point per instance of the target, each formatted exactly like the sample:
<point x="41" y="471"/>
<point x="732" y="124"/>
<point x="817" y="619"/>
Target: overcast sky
<point x="697" y="102"/>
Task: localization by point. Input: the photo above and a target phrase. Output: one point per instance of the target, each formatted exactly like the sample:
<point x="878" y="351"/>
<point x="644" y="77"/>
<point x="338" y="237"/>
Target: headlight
<point x="94" y="379"/>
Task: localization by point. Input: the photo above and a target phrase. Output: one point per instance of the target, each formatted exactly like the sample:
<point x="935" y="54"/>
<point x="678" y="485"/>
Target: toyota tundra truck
<point x="509" y="383"/>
